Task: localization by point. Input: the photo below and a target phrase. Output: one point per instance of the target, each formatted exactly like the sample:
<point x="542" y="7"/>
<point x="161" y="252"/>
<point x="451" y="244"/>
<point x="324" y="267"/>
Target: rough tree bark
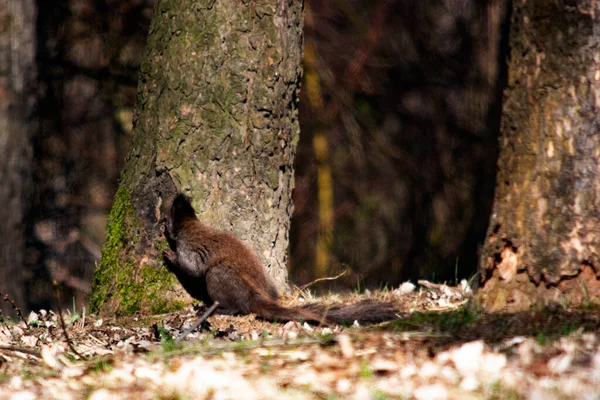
<point x="542" y="243"/>
<point x="17" y="124"/>
<point x="216" y="118"/>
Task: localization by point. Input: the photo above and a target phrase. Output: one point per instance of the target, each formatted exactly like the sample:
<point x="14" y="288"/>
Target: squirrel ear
<point x="182" y="208"/>
<point x="181" y="199"/>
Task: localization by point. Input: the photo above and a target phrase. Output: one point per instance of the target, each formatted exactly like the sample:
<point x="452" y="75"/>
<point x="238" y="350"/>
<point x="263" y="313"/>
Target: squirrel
<point x="214" y="265"/>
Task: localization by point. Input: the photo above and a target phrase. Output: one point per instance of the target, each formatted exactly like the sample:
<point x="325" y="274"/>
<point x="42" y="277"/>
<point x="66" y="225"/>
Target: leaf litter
<point x="441" y="347"/>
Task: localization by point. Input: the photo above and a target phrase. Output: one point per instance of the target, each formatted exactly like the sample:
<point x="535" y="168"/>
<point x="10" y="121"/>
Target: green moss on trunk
<point x="133" y="289"/>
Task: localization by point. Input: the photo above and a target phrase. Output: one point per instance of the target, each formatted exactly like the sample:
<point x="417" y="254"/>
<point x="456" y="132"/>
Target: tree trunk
<point x="216" y="118"/>
<point x="17" y="123"/>
<point x="542" y="243"/>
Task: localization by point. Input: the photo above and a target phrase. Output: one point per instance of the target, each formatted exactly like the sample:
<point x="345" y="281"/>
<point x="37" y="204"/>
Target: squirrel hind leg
<point x="228" y="289"/>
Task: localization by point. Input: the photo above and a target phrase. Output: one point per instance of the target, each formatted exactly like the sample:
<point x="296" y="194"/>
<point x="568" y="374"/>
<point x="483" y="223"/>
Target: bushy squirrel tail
<point x="273" y="311"/>
<point x="364" y="312"/>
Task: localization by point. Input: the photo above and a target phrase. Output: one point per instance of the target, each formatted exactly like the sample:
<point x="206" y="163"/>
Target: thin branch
<point x="16" y="308"/>
<point x="219" y="347"/>
<point x="431" y="285"/>
<point x="22" y="350"/>
<point x="198" y="322"/>
<point x="327" y="278"/>
<point x="62" y="322"/>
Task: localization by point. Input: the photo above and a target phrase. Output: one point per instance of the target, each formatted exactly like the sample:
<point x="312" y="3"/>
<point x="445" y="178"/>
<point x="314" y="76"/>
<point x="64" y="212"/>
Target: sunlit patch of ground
<point x="439" y="348"/>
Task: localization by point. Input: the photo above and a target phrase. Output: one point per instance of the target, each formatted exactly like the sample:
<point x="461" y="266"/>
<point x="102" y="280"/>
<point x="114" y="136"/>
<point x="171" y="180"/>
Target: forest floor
<point x="439" y="348"/>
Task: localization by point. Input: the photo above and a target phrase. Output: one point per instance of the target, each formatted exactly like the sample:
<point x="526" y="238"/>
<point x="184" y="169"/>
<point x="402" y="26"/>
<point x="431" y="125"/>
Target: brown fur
<point x="213" y="265"/>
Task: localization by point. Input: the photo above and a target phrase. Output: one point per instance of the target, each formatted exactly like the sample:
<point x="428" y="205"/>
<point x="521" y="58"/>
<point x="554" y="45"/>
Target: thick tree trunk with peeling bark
<point x="17" y="124"/>
<point x="543" y="241"/>
<point x="216" y="118"/>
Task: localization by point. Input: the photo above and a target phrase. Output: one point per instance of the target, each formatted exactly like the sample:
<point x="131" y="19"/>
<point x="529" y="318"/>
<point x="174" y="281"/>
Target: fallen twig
<point x="198" y="322"/>
<point x="430" y="285"/>
<point x="62" y="322"/>
<point x="218" y="347"/>
<point x="327" y="278"/>
<point x="22" y="350"/>
<point x="16" y="308"/>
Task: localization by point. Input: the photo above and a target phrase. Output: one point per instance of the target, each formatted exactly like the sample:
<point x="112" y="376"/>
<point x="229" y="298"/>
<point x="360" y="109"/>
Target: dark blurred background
<point x="395" y="168"/>
<point x="404" y="96"/>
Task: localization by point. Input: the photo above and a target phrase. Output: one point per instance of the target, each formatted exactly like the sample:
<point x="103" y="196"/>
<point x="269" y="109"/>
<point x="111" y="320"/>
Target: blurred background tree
<point x="396" y="161"/>
<point x="88" y="59"/>
<point x="18" y="124"/>
<point x="395" y="168"/>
